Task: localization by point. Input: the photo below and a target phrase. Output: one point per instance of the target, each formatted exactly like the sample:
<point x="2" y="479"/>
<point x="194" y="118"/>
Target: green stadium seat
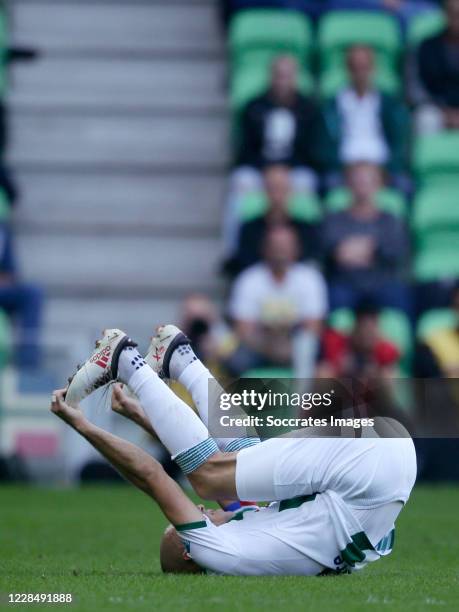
<point x="394" y="326"/>
<point x="436" y="258"/>
<point x="436" y="209"/>
<point x="269" y="373"/>
<point x="341" y="319"/>
<point x="436" y="154"/>
<point x="389" y="200"/>
<point x="251" y="81"/>
<point x="6" y="338"/>
<point x="5" y="206"/>
<point x="274" y="31"/>
<point x="435" y="226"/>
<point x="304" y="207"/>
<point x="341" y="29"/>
<point x="424" y="26"/>
<point x="436" y="319"/>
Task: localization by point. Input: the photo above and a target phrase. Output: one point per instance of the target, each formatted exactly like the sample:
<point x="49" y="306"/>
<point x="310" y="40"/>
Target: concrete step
<point x="114" y="265"/>
<point x="117" y="27"/>
<point x="138" y="317"/>
<point x="56" y="140"/>
<point x="185" y="85"/>
<point x="126" y="203"/>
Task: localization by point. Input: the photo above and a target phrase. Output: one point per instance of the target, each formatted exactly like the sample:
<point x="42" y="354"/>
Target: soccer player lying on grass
<point x="336" y="499"/>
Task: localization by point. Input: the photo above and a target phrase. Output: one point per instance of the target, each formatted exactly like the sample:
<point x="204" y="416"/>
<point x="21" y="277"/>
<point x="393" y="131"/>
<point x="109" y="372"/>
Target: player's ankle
<point x="182" y="357"/>
<point x="130" y="360"/>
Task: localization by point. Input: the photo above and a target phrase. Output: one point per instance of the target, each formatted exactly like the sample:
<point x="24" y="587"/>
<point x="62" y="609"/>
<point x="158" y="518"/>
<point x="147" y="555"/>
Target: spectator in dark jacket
<point x="278" y="128"/>
<point x="252" y="233"/>
<point x="22" y="301"/>
<point x="362" y="123"/>
<point x="365" y="248"/>
<point x="438" y="66"/>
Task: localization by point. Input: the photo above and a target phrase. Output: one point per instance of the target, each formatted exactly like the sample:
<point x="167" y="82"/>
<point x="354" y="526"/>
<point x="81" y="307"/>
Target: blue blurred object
<point x="311" y="7"/>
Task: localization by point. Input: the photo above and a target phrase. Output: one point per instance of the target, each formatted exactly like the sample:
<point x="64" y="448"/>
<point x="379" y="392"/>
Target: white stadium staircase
<point x="119" y="143"/>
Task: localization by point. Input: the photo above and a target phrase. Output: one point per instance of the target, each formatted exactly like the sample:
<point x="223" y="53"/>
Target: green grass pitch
<point x="101" y="545"/>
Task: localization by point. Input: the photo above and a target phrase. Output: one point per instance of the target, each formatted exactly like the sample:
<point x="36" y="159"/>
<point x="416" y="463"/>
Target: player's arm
<point x="133" y="463"/>
<point x="131" y="409"/>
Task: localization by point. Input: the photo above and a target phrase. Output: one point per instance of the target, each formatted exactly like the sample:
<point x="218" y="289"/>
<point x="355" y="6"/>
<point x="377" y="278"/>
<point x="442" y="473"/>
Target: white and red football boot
<point x="101" y="368"/>
<point x="168" y="338"/>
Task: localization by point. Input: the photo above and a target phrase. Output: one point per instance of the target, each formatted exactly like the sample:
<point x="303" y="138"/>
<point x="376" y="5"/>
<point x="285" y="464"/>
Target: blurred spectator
<point x="365" y="248"/>
<point x="199" y="320"/>
<point x="22" y="301"/>
<point x="436" y="373"/>
<point x="363" y="352"/>
<point x="438" y="65"/>
<point x="252" y="233"/>
<point x="278" y="128"/>
<point x="368" y="359"/>
<point x="362" y="123"/>
<point x="438" y="355"/>
<point x="272" y="301"/>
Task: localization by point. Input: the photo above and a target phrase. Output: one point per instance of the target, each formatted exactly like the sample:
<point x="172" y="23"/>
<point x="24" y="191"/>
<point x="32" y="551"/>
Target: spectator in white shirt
<point x="275" y="302"/>
<point x="363" y="124"/>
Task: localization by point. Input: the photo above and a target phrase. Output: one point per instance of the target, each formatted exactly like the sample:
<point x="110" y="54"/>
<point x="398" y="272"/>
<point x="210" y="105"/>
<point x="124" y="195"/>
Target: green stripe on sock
<point x="240" y="443"/>
<point x="194" y="457"/>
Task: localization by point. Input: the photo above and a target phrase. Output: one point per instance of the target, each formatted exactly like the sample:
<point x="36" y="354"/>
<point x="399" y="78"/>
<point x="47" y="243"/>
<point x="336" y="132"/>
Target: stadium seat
<point x="436" y="156"/>
<point x="304" y="207"/>
<point x="268" y="33"/>
<point x="6" y="338"/>
<point x="269" y="373"/>
<point x="424" y="26"/>
<point x="5" y="207"/>
<point x="394" y="326"/>
<point x="436" y="259"/>
<point x="433" y="320"/>
<point x="436" y="208"/>
<point x="387" y="199"/>
<point x="435" y="226"/>
<point x="340" y="29"/>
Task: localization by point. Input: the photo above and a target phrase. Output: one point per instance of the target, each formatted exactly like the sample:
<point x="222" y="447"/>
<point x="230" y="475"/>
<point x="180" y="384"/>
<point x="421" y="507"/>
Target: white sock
<point x="130" y="360"/>
<point x="195" y="377"/>
<point x="180" y="430"/>
<point x="181" y="358"/>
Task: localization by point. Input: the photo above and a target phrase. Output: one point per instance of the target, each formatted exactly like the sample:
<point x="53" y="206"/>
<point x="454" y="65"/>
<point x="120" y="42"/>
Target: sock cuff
<point x="189" y="460"/>
<point x="240" y="443"/>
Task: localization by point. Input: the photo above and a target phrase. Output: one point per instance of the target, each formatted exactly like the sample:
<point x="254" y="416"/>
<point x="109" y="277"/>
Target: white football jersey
<point x="303" y="536"/>
<point x="341" y="499"/>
